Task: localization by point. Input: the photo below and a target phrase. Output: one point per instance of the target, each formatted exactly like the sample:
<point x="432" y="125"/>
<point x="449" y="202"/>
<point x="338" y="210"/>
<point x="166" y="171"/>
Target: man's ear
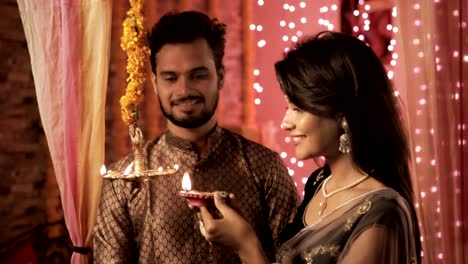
<point x="153" y="82"/>
<point x="220" y="73"/>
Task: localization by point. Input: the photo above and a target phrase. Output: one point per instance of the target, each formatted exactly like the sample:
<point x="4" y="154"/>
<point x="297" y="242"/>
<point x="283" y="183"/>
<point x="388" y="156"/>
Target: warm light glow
<point x="128" y="169"/>
<point x="103" y="169"/>
<point x="186" y="184"/>
<point x="390" y="74"/>
<point x="261" y="43"/>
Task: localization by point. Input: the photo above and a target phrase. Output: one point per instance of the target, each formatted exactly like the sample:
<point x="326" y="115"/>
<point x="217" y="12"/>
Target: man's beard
<point x="192" y="121"/>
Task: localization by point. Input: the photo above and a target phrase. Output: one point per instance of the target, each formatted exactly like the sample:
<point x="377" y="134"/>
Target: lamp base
<point x="196" y="198"/>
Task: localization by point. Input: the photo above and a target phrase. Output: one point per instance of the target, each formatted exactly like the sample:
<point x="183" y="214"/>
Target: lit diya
<point x="194" y="197"/>
<point x="136" y="173"/>
<point x="137" y="170"/>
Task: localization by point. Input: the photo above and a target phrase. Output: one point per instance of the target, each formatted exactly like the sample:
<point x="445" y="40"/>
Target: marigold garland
<point x="133" y="42"/>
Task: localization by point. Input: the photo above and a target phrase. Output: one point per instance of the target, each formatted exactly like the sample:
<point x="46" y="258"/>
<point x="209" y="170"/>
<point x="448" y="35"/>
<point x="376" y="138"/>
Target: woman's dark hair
<point x="337" y="75"/>
<point x="186" y="27"/>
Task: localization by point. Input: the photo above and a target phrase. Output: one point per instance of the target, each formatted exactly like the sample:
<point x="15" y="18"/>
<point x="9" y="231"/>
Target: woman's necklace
<point x="326" y="195"/>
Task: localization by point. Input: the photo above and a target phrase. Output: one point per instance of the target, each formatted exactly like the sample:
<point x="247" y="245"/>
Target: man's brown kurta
<point x="151" y="223"/>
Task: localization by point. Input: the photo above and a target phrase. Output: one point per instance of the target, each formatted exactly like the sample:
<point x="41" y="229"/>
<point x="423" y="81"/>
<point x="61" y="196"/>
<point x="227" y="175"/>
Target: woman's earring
<point x="345" y="138"/>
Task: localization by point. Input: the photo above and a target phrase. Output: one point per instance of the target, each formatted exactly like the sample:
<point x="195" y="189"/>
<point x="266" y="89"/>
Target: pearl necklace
<point x="326" y="195"/>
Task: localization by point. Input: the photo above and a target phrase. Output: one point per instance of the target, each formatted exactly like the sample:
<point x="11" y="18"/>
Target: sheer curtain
<point x="432" y="71"/>
<point x="68" y="42"/>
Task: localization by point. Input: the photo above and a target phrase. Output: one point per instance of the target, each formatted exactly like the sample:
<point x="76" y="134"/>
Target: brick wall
<point x="29" y="196"/>
<point x="22" y="159"/>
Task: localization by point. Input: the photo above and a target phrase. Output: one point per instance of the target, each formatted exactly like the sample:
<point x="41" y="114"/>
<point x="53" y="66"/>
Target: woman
<point x="358" y="208"/>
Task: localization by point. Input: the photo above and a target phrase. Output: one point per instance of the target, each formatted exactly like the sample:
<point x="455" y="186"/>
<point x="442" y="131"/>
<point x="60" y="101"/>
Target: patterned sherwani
<point x="151" y="223"/>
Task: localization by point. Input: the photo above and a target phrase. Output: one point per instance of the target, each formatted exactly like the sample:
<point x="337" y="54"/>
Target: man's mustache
<point x="186" y="98"/>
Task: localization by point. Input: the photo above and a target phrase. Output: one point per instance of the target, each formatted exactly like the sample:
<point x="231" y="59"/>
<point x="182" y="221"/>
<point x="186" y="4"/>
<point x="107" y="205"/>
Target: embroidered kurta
<point x="151" y="223"/>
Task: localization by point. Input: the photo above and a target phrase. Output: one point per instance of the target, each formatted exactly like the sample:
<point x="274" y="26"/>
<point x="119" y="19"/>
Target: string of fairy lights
<point x="423" y="133"/>
<point x="299" y="18"/>
<point x="294" y="19"/>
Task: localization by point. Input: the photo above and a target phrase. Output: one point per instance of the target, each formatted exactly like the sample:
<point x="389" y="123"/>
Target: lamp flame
<point x="128" y="169"/>
<point x="186" y="184"/>
<point x="103" y="169"/>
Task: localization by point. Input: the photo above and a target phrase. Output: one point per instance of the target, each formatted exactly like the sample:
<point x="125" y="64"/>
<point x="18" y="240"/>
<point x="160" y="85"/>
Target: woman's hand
<point x="232" y="230"/>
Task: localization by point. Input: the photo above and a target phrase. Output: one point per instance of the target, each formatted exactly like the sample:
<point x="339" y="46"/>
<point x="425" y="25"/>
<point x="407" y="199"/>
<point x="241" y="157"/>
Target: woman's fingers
<point x="220" y="203"/>
<point x="205" y="214"/>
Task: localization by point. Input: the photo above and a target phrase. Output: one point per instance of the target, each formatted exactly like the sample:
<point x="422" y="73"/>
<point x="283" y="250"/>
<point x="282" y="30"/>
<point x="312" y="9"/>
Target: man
<point x="151" y="223"/>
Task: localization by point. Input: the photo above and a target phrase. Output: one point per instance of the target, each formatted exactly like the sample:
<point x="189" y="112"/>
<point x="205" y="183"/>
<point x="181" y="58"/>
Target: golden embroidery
<point x="284" y="254"/>
<point x="331" y="250"/>
<point x="365" y="207"/>
<point x="412" y="260"/>
<point x="349" y="224"/>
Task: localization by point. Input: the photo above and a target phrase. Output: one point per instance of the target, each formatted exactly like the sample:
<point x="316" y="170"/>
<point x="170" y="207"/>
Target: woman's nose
<point x="286" y="125"/>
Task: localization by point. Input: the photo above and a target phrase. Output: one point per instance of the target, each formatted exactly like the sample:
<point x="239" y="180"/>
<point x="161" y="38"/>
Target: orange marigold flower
<point x="133" y="42"/>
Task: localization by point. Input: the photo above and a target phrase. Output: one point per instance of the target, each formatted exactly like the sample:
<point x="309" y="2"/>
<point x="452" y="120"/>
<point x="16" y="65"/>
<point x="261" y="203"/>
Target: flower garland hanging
<point x="133" y="42"/>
